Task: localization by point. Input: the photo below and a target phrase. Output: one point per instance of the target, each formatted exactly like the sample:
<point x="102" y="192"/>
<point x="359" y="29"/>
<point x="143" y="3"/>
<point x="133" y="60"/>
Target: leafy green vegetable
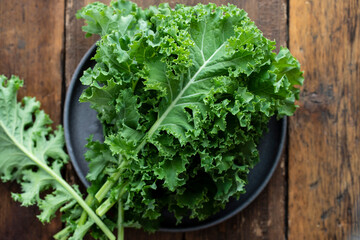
<point x="32" y="155"/>
<point x="184" y="95"/>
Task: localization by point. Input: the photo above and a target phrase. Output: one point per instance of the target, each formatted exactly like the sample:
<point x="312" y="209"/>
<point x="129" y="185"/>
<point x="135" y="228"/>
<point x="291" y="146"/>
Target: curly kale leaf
<point x="33" y="156"/>
<point x="184" y="100"/>
<point x="26" y="145"/>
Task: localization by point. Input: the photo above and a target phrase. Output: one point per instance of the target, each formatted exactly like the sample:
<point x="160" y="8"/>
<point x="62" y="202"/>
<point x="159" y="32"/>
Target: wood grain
<point x="31" y="44"/>
<point x="76" y="44"/>
<point x="324" y="169"/>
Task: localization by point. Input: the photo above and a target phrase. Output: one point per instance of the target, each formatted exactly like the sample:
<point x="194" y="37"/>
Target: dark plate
<point x="80" y="121"/>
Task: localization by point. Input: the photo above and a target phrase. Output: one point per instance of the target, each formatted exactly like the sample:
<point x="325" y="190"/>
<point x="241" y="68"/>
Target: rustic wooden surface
<point x="31" y="45"/>
<point x="324" y="164"/>
<point x="314" y="193"/>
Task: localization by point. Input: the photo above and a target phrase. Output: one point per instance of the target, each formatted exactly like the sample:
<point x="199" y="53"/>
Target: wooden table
<point x="315" y="191"/>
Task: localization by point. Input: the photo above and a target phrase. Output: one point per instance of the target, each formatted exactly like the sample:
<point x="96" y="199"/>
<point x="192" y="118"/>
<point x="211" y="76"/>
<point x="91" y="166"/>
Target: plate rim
<point x="66" y="120"/>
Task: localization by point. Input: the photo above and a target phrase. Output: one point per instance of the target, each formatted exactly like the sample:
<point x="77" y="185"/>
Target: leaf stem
<point x="104" y="207"/>
<point x="89" y="201"/>
<point x="110" y="202"/>
<point x="120" y="221"/>
<point x="64" y="184"/>
<point x="100" y="195"/>
<point x="160" y="119"/>
<point x="81" y="202"/>
<point x="63" y="234"/>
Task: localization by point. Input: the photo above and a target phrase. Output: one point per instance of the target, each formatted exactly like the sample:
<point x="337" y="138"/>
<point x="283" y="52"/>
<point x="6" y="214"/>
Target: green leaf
<point x="102" y="19"/>
<point x="81" y="231"/>
<point x="33" y="156"/>
<point x="27" y="145"/>
<point x="212" y="55"/>
<point x="184" y="96"/>
<point x="99" y="156"/>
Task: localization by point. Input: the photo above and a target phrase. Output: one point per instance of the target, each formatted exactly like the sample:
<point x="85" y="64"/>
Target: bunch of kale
<point x="183" y="95"/>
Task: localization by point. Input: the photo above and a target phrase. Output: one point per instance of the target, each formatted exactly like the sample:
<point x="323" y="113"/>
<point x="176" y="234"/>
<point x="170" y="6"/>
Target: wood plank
<point x="324" y="165"/>
<point x="76" y="44"/>
<point x="31" y="44"/>
<point x="265" y="218"/>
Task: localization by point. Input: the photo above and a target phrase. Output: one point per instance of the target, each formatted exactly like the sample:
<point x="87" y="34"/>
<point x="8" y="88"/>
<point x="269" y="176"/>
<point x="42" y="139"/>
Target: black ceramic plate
<point x="80" y="121"/>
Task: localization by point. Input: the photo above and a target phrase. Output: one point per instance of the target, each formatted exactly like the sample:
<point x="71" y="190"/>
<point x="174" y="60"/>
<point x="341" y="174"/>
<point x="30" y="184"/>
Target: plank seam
<point x="286" y="214"/>
<point x="63" y="80"/>
<point x="63" y="66"/>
